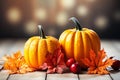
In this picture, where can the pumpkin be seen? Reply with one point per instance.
(37, 48)
(76, 43)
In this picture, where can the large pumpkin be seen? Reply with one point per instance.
(36, 48)
(76, 43)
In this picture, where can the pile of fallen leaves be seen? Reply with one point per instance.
(98, 63)
(16, 63)
(53, 64)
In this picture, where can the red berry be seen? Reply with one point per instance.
(70, 62)
(116, 65)
(75, 68)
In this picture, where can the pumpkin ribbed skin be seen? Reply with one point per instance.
(36, 49)
(77, 43)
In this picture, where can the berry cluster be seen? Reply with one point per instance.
(73, 65)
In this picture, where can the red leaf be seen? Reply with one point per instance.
(56, 63)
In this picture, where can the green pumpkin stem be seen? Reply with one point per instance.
(41, 32)
(76, 22)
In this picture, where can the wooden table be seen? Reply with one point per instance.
(8, 46)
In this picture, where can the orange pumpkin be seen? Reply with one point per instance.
(76, 43)
(37, 47)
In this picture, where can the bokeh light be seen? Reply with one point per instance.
(31, 28)
(68, 4)
(82, 10)
(13, 15)
(40, 14)
(101, 22)
(25, 15)
(62, 18)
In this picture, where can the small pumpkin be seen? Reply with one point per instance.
(37, 47)
(76, 43)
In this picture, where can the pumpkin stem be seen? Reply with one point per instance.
(41, 32)
(76, 22)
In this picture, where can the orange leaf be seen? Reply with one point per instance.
(16, 63)
(96, 64)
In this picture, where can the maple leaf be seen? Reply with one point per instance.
(16, 63)
(55, 63)
(97, 63)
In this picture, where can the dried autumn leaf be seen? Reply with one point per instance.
(96, 62)
(16, 63)
(55, 63)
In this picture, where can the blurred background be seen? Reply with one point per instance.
(19, 18)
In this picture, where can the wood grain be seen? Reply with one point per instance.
(1, 66)
(5, 46)
(17, 45)
(29, 76)
(94, 77)
(116, 44)
(110, 49)
(115, 74)
(4, 75)
(65, 76)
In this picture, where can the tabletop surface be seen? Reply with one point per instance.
(8, 46)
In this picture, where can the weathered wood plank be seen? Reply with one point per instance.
(116, 44)
(110, 49)
(65, 76)
(1, 66)
(17, 45)
(10, 46)
(1, 61)
(4, 75)
(115, 74)
(5, 46)
(28, 76)
(94, 77)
